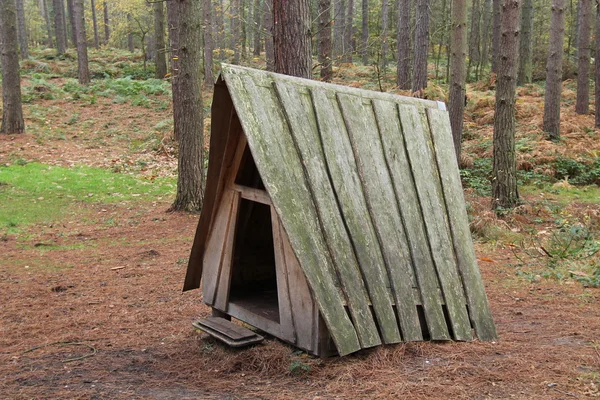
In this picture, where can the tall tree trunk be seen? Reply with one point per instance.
(71, 13)
(583, 50)
(324, 11)
(187, 103)
(442, 41)
(525, 53)
(339, 19)
(597, 66)
(269, 47)
(384, 33)
(49, 42)
(106, 22)
(22, 30)
(554, 71)
(349, 32)
(403, 43)
(421, 46)
(12, 109)
(235, 30)
(243, 31)
(474, 38)
(258, 12)
(458, 72)
(59, 26)
(504, 183)
(82, 56)
(130, 43)
(488, 17)
(497, 10)
(159, 38)
(220, 25)
(95, 23)
(364, 48)
(291, 37)
(208, 43)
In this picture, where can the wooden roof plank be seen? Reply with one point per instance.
(479, 309)
(298, 109)
(416, 133)
(403, 182)
(278, 163)
(363, 132)
(348, 190)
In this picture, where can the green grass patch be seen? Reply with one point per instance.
(35, 192)
(564, 195)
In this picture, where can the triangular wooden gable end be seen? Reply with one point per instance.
(367, 191)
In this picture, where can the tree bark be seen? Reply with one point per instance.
(324, 11)
(49, 42)
(597, 66)
(22, 30)
(291, 38)
(95, 23)
(71, 13)
(497, 8)
(220, 28)
(364, 48)
(583, 51)
(504, 183)
(187, 103)
(235, 30)
(258, 12)
(160, 60)
(403, 43)
(82, 56)
(349, 32)
(474, 39)
(525, 53)
(59, 26)
(384, 33)
(106, 22)
(12, 109)
(269, 47)
(130, 43)
(554, 71)
(242, 24)
(488, 17)
(421, 46)
(458, 72)
(339, 20)
(208, 44)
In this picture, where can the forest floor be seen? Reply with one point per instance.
(91, 269)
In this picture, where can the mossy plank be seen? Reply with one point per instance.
(403, 183)
(425, 173)
(298, 109)
(348, 190)
(479, 309)
(362, 128)
(279, 163)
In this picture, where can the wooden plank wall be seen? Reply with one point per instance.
(367, 189)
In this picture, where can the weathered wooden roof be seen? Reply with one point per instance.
(368, 190)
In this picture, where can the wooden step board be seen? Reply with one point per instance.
(228, 332)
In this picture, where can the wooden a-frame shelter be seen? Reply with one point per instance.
(334, 217)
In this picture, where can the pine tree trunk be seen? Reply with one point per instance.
(12, 110)
(421, 46)
(59, 26)
(583, 51)
(82, 56)
(324, 11)
(554, 71)
(22, 30)
(220, 28)
(339, 19)
(364, 48)
(497, 10)
(235, 30)
(403, 42)
(458, 72)
(187, 101)
(71, 13)
(269, 47)
(208, 44)
(130, 43)
(258, 12)
(106, 23)
(95, 22)
(474, 40)
(159, 38)
(488, 17)
(597, 67)
(49, 41)
(384, 33)
(173, 29)
(349, 32)
(442, 41)
(504, 183)
(525, 53)
(243, 31)
(291, 38)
